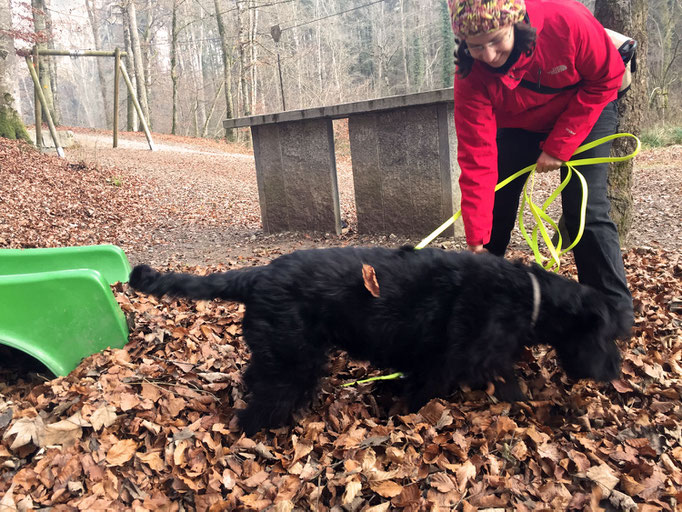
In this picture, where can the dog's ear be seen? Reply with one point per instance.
(614, 320)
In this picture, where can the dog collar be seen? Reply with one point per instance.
(536, 299)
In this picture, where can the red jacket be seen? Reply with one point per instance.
(571, 47)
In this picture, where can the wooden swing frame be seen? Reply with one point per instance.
(33, 63)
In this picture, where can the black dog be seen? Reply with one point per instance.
(441, 318)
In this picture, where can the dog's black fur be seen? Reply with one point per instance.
(442, 318)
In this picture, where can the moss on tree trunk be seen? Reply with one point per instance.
(11, 125)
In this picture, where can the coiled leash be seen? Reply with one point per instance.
(539, 214)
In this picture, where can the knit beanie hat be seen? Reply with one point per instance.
(471, 17)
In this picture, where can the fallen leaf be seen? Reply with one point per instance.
(603, 476)
(121, 452)
(104, 416)
(387, 488)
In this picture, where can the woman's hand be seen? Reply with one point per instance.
(547, 163)
(477, 249)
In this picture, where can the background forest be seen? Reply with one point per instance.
(197, 62)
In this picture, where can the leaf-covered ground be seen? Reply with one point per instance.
(151, 426)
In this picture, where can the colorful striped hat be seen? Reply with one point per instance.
(471, 17)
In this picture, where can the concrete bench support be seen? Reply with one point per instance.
(403, 169)
(296, 173)
(403, 156)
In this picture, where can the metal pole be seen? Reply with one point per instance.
(41, 96)
(131, 91)
(117, 77)
(36, 102)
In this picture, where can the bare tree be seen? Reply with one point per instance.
(136, 49)
(227, 64)
(664, 69)
(132, 123)
(148, 19)
(174, 64)
(11, 125)
(404, 49)
(41, 28)
(243, 7)
(93, 16)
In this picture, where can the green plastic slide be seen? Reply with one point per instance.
(108, 260)
(57, 306)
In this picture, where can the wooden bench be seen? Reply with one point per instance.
(403, 153)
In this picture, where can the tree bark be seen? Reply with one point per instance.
(11, 125)
(405, 50)
(40, 26)
(132, 123)
(253, 29)
(52, 67)
(147, 54)
(93, 16)
(136, 48)
(174, 66)
(242, 42)
(627, 17)
(227, 66)
(199, 72)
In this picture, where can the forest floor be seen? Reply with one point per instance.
(152, 426)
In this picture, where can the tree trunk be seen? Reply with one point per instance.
(146, 54)
(227, 66)
(320, 58)
(11, 125)
(627, 17)
(52, 67)
(174, 66)
(93, 15)
(448, 49)
(253, 30)
(132, 123)
(40, 26)
(242, 42)
(199, 73)
(136, 48)
(204, 129)
(405, 50)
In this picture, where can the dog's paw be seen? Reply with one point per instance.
(141, 277)
(248, 422)
(509, 391)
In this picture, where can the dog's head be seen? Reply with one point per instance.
(591, 325)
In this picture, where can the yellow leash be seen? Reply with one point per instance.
(539, 214)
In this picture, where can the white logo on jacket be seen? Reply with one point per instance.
(557, 69)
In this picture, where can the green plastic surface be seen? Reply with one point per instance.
(60, 317)
(108, 260)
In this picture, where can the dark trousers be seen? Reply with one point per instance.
(597, 254)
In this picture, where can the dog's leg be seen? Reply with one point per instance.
(279, 384)
(426, 383)
(508, 390)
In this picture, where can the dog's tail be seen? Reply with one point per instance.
(234, 285)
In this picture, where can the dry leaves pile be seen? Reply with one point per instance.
(49, 202)
(152, 426)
